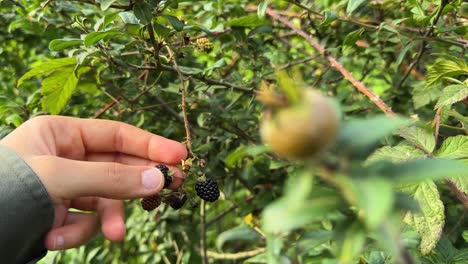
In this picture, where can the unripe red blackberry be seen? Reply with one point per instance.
(167, 174)
(150, 203)
(176, 200)
(207, 190)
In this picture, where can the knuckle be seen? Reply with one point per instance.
(117, 174)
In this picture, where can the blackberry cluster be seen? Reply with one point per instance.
(176, 200)
(207, 190)
(150, 203)
(167, 176)
(204, 45)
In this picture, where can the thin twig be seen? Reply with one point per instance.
(436, 122)
(196, 76)
(235, 256)
(107, 107)
(203, 233)
(183, 103)
(154, 43)
(347, 74)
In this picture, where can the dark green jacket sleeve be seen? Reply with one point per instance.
(26, 211)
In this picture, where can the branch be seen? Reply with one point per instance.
(461, 196)
(347, 74)
(107, 107)
(183, 104)
(195, 76)
(235, 256)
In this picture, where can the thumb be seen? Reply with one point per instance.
(68, 179)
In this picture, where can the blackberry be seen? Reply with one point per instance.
(150, 203)
(207, 190)
(176, 200)
(167, 174)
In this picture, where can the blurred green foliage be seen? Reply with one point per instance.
(389, 189)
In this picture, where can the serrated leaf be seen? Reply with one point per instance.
(47, 68)
(176, 24)
(61, 44)
(57, 89)
(423, 97)
(95, 37)
(449, 66)
(239, 233)
(399, 153)
(415, 171)
(143, 12)
(430, 221)
(454, 148)
(251, 20)
(419, 138)
(452, 94)
(353, 5)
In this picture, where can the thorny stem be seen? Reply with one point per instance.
(203, 233)
(183, 104)
(334, 62)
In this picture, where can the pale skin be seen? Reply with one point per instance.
(93, 165)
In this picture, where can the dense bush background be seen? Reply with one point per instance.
(114, 59)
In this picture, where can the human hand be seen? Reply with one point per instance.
(92, 165)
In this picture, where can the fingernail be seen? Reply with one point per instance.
(59, 242)
(151, 178)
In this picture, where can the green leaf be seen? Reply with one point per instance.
(454, 148)
(419, 137)
(262, 8)
(430, 221)
(47, 68)
(57, 89)
(352, 243)
(105, 4)
(361, 133)
(239, 233)
(448, 67)
(423, 97)
(452, 94)
(373, 211)
(298, 207)
(143, 12)
(328, 17)
(94, 37)
(61, 44)
(351, 38)
(353, 5)
(251, 20)
(461, 257)
(399, 153)
(129, 18)
(403, 52)
(420, 170)
(176, 24)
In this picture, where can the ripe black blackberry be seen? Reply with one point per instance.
(167, 174)
(176, 200)
(150, 203)
(207, 190)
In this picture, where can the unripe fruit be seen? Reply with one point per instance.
(301, 130)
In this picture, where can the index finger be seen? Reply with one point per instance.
(113, 136)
